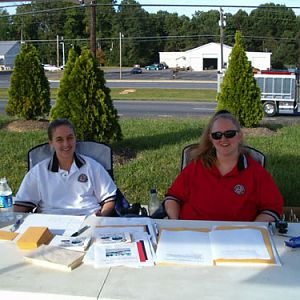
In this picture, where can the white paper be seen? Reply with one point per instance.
(132, 221)
(238, 244)
(113, 238)
(136, 235)
(99, 231)
(184, 247)
(116, 255)
(71, 243)
(57, 224)
(89, 257)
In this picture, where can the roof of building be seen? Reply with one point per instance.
(5, 46)
(208, 45)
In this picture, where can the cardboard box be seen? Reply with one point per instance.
(7, 235)
(33, 237)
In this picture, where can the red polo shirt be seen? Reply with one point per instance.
(240, 195)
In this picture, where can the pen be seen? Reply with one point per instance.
(16, 225)
(81, 230)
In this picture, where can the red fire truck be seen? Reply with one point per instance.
(280, 92)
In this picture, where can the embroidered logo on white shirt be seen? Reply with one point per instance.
(82, 178)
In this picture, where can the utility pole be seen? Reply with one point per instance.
(63, 51)
(93, 28)
(222, 24)
(57, 51)
(120, 39)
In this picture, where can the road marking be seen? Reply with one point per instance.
(201, 108)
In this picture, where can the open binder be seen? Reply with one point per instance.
(231, 245)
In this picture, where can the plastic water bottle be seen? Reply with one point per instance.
(6, 201)
(154, 202)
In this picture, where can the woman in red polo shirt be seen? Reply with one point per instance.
(223, 182)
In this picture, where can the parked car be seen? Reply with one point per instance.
(136, 71)
(164, 65)
(154, 67)
(50, 68)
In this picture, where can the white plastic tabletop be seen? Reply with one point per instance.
(26, 281)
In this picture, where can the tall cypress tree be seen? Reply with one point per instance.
(84, 99)
(240, 93)
(29, 92)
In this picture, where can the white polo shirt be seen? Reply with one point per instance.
(81, 191)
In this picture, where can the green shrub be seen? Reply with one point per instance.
(240, 93)
(29, 92)
(84, 99)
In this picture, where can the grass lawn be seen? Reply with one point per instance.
(163, 94)
(151, 154)
(148, 94)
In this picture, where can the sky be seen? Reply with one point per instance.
(189, 11)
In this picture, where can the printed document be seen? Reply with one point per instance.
(182, 246)
(57, 224)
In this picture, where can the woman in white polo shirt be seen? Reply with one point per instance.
(67, 183)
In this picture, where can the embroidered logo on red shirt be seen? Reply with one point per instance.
(239, 189)
(82, 178)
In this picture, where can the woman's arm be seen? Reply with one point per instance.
(264, 218)
(172, 208)
(22, 208)
(107, 208)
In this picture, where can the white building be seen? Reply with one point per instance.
(208, 57)
(8, 52)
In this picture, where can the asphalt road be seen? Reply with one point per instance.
(148, 79)
(163, 109)
(142, 109)
(148, 109)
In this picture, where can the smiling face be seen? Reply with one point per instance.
(226, 146)
(63, 141)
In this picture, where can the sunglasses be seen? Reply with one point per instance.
(229, 134)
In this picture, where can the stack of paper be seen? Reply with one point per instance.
(55, 258)
(234, 245)
(71, 243)
(184, 246)
(120, 246)
(57, 224)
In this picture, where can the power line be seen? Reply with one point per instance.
(157, 38)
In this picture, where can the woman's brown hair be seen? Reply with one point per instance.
(205, 150)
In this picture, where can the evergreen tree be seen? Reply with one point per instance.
(29, 92)
(240, 93)
(84, 99)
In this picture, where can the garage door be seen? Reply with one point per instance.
(210, 63)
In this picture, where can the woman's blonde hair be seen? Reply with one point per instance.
(205, 150)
